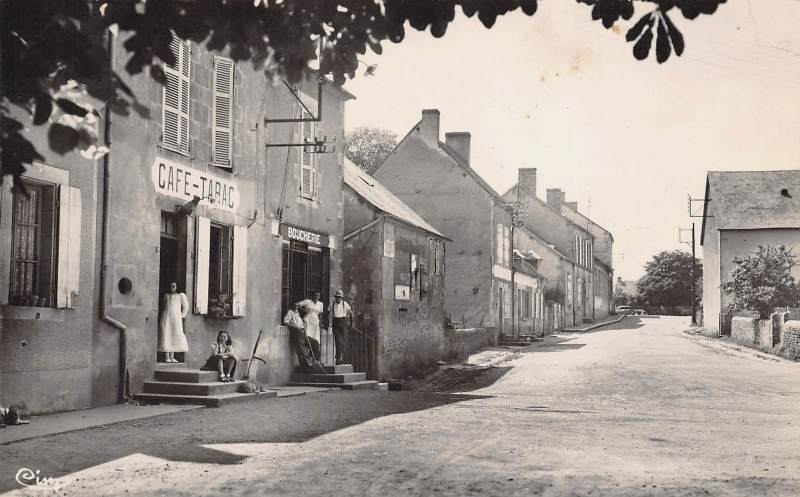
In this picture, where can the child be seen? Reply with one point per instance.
(222, 357)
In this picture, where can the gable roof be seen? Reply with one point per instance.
(543, 202)
(382, 199)
(452, 155)
(752, 199)
(468, 169)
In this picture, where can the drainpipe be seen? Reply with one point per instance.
(123, 329)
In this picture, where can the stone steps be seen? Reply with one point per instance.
(206, 400)
(329, 378)
(355, 385)
(339, 376)
(177, 384)
(210, 388)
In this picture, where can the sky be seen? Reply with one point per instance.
(628, 140)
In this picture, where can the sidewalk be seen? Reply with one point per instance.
(593, 326)
(63, 422)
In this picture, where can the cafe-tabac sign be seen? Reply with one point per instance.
(185, 183)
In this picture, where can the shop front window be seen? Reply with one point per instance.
(304, 270)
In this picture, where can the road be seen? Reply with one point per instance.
(636, 409)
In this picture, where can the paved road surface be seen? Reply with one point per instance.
(636, 409)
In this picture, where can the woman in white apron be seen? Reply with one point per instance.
(172, 338)
(314, 308)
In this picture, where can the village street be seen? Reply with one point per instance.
(636, 408)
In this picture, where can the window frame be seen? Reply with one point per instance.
(182, 72)
(218, 65)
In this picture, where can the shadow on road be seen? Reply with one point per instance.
(181, 436)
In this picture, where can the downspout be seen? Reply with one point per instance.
(123, 329)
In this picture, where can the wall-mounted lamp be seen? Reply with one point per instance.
(189, 207)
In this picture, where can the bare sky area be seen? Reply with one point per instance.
(627, 140)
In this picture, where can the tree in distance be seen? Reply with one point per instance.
(667, 281)
(368, 147)
(55, 53)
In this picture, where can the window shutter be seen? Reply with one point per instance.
(176, 101)
(239, 269)
(307, 158)
(201, 258)
(222, 138)
(69, 246)
(499, 243)
(506, 245)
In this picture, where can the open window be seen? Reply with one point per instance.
(220, 269)
(45, 246)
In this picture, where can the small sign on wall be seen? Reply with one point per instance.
(401, 292)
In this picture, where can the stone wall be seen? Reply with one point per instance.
(743, 329)
(791, 335)
(463, 342)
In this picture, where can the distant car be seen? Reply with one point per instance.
(624, 309)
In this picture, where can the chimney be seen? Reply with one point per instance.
(527, 179)
(459, 143)
(429, 127)
(554, 198)
(572, 205)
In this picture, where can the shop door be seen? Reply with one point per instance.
(305, 269)
(172, 257)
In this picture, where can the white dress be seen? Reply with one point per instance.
(172, 338)
(312, 317)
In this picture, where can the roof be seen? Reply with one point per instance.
(468, 169)
(382, 199)
(752, 199)
(584, 216)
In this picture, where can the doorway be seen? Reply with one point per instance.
(172, 262)
(305, 268)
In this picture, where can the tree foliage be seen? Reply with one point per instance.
(367, 147)
(668, 279)
(763, 280)
(48, 44)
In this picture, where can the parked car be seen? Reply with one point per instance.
(624, 309)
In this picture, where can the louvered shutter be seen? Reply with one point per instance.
(201, 259)
(239, 269)
(222, 137)
(176, 99)
(307, 158)
(69, 246)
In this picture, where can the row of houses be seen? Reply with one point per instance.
(239, 191)
(516, 263)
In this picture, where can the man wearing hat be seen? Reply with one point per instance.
(342, 317)
(306, 348)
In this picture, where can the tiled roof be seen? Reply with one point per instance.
(382, 199)
(754, 199)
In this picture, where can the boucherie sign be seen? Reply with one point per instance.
(307, 236)
(182, 182)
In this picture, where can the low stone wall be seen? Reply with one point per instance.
(463, 342)
(744, 329)
(791, 335)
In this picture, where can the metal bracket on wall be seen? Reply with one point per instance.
(691, 205)
(313, 118)
(317, 146)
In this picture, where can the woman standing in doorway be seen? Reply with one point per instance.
(174, 309)
(314, 308)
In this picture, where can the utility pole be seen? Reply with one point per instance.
(514, 210)
(694, 281)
